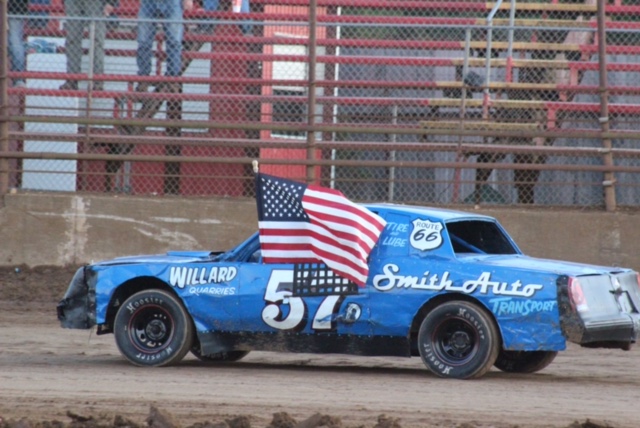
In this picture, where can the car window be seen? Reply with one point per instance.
(479, 237)
(256, 257)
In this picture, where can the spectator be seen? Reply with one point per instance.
(237, 6)
(171, 13)
(18, 59)
(98, 9)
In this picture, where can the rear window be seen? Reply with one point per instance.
(478, 237)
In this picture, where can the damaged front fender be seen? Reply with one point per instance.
(77, 308)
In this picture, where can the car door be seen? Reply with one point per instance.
(307, 300)
(407, 262)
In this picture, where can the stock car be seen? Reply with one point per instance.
(448, 286)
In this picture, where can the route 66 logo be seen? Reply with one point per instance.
(425, 235)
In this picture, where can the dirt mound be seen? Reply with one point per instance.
(159, 418)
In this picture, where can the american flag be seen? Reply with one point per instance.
(302, 223)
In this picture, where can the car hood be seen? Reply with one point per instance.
(520, 262)
(169, 258)
(542, 265)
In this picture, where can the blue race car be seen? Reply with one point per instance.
(451, 287)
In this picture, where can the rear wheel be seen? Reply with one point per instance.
(152, 328)
(458, 340)
(524, 361)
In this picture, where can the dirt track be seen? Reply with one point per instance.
(47, 372)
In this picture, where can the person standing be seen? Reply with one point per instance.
(170, 11)
(237, 6)
(17, 55)
(97, 10)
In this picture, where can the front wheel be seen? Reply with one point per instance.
(458, 340)
(152, 328)
(524, 361)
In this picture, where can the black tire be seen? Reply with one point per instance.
(152, 328)
(218, 357)
(524, 361)
(458, 340)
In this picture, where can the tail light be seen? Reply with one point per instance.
(576, 295)
(638, 280)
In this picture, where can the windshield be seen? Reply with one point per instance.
(246, 251)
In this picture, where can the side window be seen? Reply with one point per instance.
(479, 237)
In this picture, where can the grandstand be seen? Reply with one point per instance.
(403, 101)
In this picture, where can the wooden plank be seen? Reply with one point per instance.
(529, 46)
(478, 103)
(508, 86)
(548, 7)
(501, 62)
(540, 22)
(470, 125)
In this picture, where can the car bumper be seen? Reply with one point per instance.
(610, 333)
(608, 318)
(77, 307)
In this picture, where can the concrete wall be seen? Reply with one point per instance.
(63, 229)
(69, 229)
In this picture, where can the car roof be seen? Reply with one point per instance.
(443, 214)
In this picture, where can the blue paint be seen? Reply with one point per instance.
(421, 255)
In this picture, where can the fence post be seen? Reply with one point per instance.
(4, 100)
(392, 155)
(487, 65)
(607, 157)
(311, 135)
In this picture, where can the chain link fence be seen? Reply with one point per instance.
(511, 102)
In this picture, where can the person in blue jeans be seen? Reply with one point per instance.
(17, 55)
(238, 6)
(170, 13)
